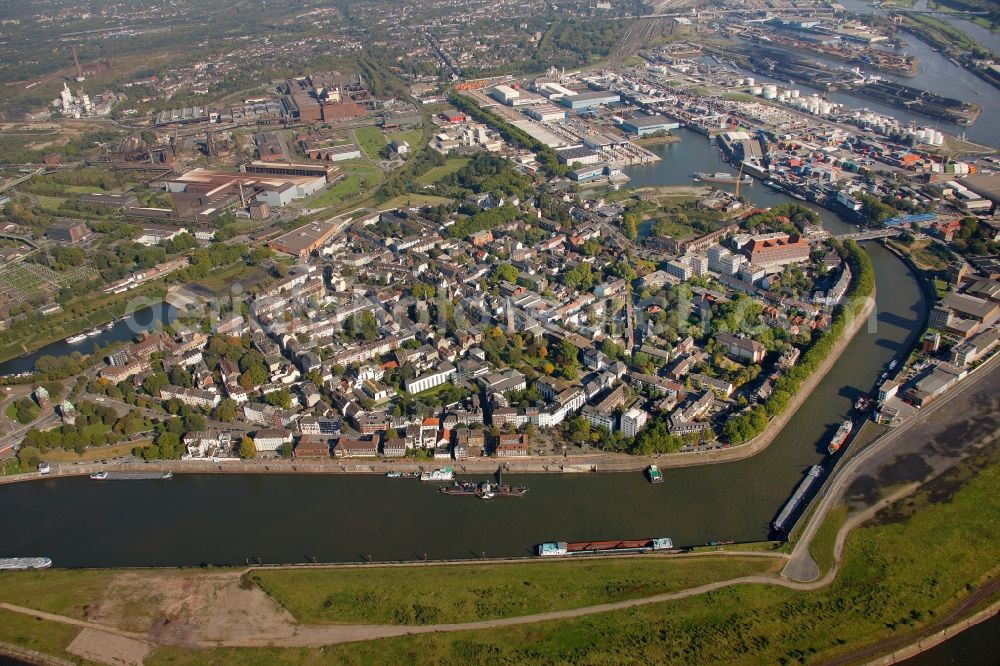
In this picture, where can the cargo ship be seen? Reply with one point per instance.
(721, 177)
(24, 563)
(781, 522)
(484, 490)
(559, 548)
(134, 476)
(654, 474)
(443, 474)
(840, 436)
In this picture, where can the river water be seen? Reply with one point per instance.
(939, 75)
(225, 519)
(143, 319)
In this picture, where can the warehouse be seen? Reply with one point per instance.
(643, 125)
(505, 94)
(589, 99)
(547, 113)
(578, 155)
(327, 172)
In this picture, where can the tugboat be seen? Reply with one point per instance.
(654, 474)
(840, 437)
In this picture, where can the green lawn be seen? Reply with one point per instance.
(81, 189)
(371, 141)
(99, 453)
(62, 591)
(408, 200)
(916, 562)
(52, 203)
(462, 593)
(29, 633)
(450, 166)
(821, 547)
(359, 177)
(412, 137)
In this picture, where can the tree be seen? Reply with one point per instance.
(29, 457)
(285, 450)
(503, 273)
(280, 398)
(226, 411)
(247, 448)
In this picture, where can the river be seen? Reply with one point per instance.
(143, 319)
(224, 519)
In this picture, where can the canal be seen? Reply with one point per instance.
(225, 519)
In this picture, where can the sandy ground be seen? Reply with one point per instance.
(106, 648)
(191, 608)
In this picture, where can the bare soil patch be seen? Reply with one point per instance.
(106, 648)
(189, 608)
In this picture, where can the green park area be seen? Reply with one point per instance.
(413, 137)
(371, 141)
(463, 593)
(450, 166)
(359, 177)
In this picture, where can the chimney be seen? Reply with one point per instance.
(76, 61)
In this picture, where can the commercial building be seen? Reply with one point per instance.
(505, 94)
(589, 99)
(643, 125)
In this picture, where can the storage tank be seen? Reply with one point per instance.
(795, 94)
(756, 90)
(825, 108)
(770, 91)
(938, 138)
(748, 81)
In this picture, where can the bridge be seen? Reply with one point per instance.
(870, 235)
(17, 181)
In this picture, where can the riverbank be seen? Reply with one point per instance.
(655, 140)
(308, 615)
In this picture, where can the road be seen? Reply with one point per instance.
(801, 566)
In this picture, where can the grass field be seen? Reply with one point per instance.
(413, 137)
(62, 591)
(464, 593)
(29, 633)
(99, 453)
(821, 547)
(51, 203)
(407, 200)
(371, 141)
(450, 166)
(359, 177)
(922, 556)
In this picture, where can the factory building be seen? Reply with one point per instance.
(643, 125)
(547, 113)
(589, 99)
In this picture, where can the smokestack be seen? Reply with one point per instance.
(76, 61)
